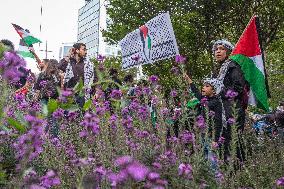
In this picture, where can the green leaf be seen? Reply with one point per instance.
(79, 87)
(52, 105)
(73, 108)
(16, 124)
(87, 105)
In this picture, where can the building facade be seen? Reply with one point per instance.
(92, 19)
(64, 49)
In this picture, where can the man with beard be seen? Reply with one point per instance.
(76, 67)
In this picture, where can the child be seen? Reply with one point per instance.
(210, 91)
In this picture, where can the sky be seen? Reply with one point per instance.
(58, 20)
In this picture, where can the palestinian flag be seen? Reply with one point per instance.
(146, 40)
(25, 35)
(24, 50)
(249, 55)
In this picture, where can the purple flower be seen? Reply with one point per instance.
(137, 171)
(175, 70)
(165, 112)
(187, 137)
(180, 59)
(127, 123)
(231, 121)
(152, 176)
(59, 113)
(280, 181)
(185, 170)
(204, 101)
(43, 83)
(231, 94)
(123, 161)
(200, 122)
(173, 93)
(136, 58)
(143, 113)
(219, 177)
(116, 94)
(101, 67)
(177, 113)
(91, 123)
(157, 165)
(153, 79)
(9, 67)
(50, 179)
(221, 140)
(146, 91)
(100, 58)
(30, 144)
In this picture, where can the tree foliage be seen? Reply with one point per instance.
(197, 24)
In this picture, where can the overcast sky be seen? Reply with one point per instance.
(59, 21)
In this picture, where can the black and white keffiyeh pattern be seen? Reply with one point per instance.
(88, 76)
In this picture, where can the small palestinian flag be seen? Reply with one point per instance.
(248, 54)
(25, 35)
(146, 40)
(24, 50)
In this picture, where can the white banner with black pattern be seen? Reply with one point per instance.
(151, 42)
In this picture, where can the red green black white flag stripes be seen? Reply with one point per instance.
(248, 54)
(26, 35)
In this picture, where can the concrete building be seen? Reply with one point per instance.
(92, 19)
(64, 49)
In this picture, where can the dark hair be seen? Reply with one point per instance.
(77, 46)
(128, 78)
(52, 68)
(8, 43)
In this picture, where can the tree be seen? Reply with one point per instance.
(196, 23)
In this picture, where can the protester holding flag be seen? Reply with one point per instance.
(234, 89)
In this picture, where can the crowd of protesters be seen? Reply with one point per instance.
(226, 87)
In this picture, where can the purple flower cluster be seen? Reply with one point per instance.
(231, 121)
(143, 113)
(280, 181)
(187, 137)
(50, 179)
(165, 112)
(113, 121)
(116, 94)
(180, 59)
(100, 58)
(30, 144)
(153, 79)
(174, 93)
(91, 124)
(59, 113)
(185, 170)
(200, 122)
(131, 169)
(168, 158)
(9, 67)
(231, 94)
(177, 113)
(65, 94)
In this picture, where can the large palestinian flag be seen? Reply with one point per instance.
(248, 54)
(26, 35)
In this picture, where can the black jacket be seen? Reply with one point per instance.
(214, 105)
(234, 80)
